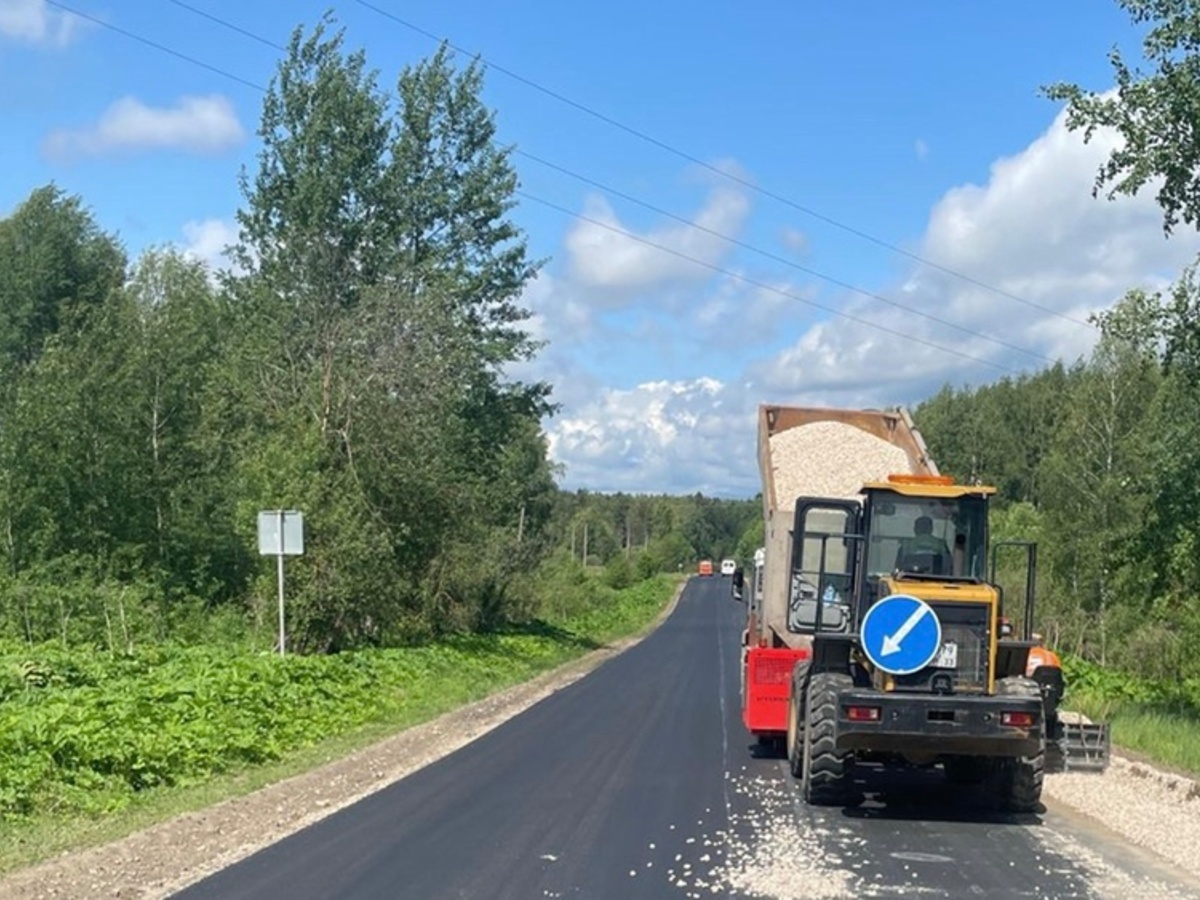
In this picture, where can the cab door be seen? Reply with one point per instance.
(826, 544)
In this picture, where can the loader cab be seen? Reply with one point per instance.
(847, 554)
(930, 536)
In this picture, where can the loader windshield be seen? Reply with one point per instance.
(934, 536)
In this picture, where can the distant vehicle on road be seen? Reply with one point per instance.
(728, 566)
(706, 567)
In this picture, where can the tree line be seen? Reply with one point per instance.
(1100, 460)
(353, 365)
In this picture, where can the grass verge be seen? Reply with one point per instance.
(1164, 736)
(96, 752)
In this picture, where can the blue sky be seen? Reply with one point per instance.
(919, 124)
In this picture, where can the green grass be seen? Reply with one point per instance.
(1155, 718)
(93, 747)
(1171, 738)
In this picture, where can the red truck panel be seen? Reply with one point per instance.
(768, 679)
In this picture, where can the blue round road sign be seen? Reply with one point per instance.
(901, 634)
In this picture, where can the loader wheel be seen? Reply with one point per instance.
(1020, 778)
(795, 720)
(826, 770)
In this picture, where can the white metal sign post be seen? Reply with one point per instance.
(280, 534)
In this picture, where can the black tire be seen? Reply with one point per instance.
(826, 770)
(1020, 778)
(792, 743)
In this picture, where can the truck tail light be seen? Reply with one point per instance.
(1017, 719)
(862, 713)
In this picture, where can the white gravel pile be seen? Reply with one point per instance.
(1146, 806)
(830, 459)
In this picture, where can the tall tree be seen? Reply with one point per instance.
(58, 265)
(385, 277)
(1096, 484)
(1157, 113)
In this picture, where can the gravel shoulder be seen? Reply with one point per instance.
(1155, 810)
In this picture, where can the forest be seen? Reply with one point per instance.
(353, 368)
(354, 364)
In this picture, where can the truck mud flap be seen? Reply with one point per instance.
(1079, 747)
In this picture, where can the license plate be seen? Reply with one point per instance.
(947, 657)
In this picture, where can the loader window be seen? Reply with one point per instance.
(826, 583)
(942, 537)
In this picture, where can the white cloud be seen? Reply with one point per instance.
(194, 124)
(35, 22)
(207, 239)
(921, 148)
(1032, 230)
(601, 257)
(663, 436)
(795, 240)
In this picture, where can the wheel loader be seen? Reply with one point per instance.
(897, 642)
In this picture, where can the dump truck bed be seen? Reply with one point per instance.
(822, 452)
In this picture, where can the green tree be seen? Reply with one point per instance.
(1154, 113)
(1096, 484)
(58, 265)
(384, 277)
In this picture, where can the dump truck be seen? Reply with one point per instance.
(879, 632)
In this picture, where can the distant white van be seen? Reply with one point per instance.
(728, 566)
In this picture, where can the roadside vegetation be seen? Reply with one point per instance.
(94, 745)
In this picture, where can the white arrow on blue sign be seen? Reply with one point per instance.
(901, 634)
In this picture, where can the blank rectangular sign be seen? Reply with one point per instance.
(293, 533)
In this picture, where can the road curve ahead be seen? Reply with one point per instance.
(639, 782)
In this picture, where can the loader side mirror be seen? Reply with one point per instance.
(738, 582)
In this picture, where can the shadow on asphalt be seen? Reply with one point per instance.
(923, 794)
(910, 793)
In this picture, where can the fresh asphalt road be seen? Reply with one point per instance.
(639, 782)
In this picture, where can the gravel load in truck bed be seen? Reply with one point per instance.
(829, 459)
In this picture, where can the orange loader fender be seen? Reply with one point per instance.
(1041, 656)
(1045, 668)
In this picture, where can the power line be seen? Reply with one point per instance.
(217, 19)
(762, 285)
(783, 260)
(695, 160)
(724, 237)
(627, 234)
(157, 46)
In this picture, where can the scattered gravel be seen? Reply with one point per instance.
(1148, 807)
(1105, 879)
(830, 459)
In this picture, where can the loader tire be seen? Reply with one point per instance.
(825, 770)
(795, 720)
(1020, 778)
